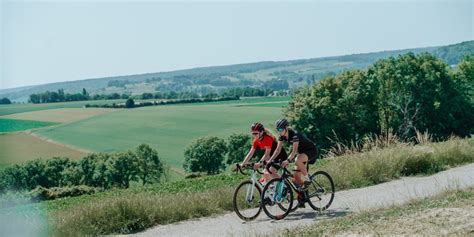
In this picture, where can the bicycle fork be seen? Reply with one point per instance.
(250, 189)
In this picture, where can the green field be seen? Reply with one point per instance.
(169, 129)
(20, 108)
(11, 125)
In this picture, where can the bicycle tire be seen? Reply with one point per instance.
(267, 204)
(240, 211)
(321, 185)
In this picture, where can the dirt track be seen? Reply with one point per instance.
(382, 195)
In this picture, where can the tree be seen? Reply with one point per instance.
(14, 177)
(237, 145)
(35, 98)
(130, 103)
(150, 167)
(94, 170)
(205, 154)
(5, 101)
(35, 174)
(122, 167)
(54, 169)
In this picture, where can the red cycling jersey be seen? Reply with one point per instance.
(265, 143)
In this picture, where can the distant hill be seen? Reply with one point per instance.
(268, 74)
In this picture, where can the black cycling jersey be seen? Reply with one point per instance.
(305, 144)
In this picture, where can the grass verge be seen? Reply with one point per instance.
(448, 214)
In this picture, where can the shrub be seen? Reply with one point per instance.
(205, 155)
(130, 103)
(238, 145)
(41, 193)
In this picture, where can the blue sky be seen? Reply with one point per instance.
(44, 42)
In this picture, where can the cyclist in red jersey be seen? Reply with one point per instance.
(265, 140)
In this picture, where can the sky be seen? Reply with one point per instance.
(43, 42)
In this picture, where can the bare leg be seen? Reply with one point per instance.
(274, 173)
(301, 167)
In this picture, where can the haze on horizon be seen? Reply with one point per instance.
(44, 42)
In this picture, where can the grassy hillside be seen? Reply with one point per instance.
(295, 72)
(169, 129)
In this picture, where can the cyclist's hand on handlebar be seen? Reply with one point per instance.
(285, 163)
(256, 165)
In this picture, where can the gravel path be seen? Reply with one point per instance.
(378, 196)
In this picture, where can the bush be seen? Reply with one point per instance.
(205, 155)
(238, 145)
(41, 193)
(130, 103)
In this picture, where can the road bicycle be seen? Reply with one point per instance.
(247, 196)
(278, 194)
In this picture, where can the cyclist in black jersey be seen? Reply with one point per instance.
(303, 150)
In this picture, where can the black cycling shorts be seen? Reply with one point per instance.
(311, 154)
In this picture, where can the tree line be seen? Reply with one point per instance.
(102, 170)
(399, 95)
(60, 96)
(130, 103)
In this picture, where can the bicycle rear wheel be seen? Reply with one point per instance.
(277, 199)
(321, 191)
(247, 200)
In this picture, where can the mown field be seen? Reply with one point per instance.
(169, 129)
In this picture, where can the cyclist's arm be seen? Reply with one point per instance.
(249, 155)
(294, 151)
(266, 155)
(277, 151)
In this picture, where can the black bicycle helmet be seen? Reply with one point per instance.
(281, 123)
(257, 127)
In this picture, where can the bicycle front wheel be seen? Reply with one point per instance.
(247, 200)
(321, 191)
(277, 199)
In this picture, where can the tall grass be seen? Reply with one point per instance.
(385, 159)
(131, 212)
(136, 212)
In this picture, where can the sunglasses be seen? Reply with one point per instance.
(280, 129)
(254, 133)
